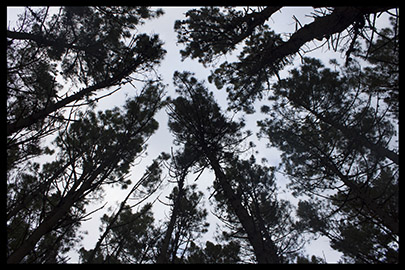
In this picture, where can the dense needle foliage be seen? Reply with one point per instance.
(333, 122)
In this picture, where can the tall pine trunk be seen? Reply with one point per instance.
(162, 258)
(57, 213)
(264, 249)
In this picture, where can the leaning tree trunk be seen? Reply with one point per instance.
(162, 258)
(264, 249)
(57, 214)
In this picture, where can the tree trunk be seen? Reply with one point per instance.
(162, 258)
(54, 216)
(264, 249)
(27, 199)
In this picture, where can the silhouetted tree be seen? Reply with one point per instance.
(210, 32)
(130, 238)
(96, 150)
(186, 216)
(197, 122)
(91, 48)
(141, 190)
(214, 253)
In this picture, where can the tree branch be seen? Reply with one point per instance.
(43, 41)
(35, 117)
(336, 22)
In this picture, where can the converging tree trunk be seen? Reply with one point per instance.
(264, 248)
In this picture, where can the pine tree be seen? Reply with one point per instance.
(336, 131)
(95, 151)
(89, 48)
(186, 215)
(211, 32)
(197, 123)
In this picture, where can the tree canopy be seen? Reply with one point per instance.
(334, 124)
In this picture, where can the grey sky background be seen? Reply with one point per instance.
(281, 22)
